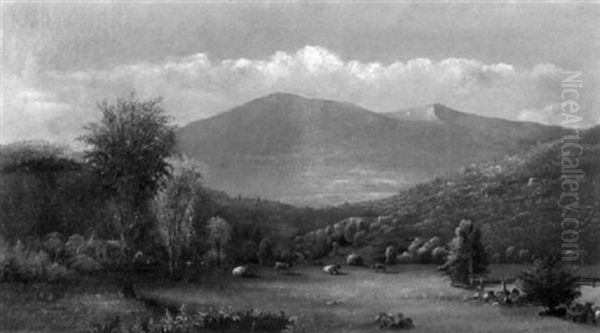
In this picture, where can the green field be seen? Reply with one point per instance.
(349, 303)
(322, 303)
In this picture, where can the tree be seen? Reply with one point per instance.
(467, 254)
(548, 283)
(174, 210)
(265, 251)
(219, 234)
(128, 150)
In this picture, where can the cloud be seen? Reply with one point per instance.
(55, 104)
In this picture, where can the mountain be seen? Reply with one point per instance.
(319, 152)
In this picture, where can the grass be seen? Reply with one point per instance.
(349, 303)
(323, 303)
(56, 308)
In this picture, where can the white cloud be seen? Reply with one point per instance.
(54, 105)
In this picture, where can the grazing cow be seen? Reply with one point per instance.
(282, 266)
(331, 269)
(378, 267)
(243, 271)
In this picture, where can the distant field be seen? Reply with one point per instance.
(348, 303)
(323, 303)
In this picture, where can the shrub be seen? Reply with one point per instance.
(75, 245)
(54, 245)
(548, 283)
(424, 252)
(18, 264)
(85, 264)
(414, 246)
(404, 258)
(438, 255)
(224, 319)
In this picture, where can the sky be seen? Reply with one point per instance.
(500, 59)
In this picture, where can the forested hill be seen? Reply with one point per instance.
(515, 200)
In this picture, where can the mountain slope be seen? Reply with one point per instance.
(313, 151)
(515, 201)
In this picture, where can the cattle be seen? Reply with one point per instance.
(281, 266)
(378, 267)
(243, 271)
(332, 269)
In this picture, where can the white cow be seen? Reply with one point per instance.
(243, 271)
(331, 269)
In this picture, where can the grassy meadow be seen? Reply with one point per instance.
(349, 302)
(322, 303)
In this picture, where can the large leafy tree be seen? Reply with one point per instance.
(548, 283)
(467, 256)
(129, 147)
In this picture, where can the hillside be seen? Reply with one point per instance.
(514, 201)
(319, 152)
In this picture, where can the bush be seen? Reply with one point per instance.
(54, 245)
(404, 258)
(75, 245)
(548, 283)
(223, 319)
(424, 252)
(438, 255)
(18, 264)
(85, 264)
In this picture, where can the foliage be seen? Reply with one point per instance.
(174, 210)
(219, 234)
(547, 282)
(187, 322)
(467, 254)
(128, 150)
(265, 253)
(512, 199)
(84, 264)
(45, 188)
(19, 264)
(75, 245)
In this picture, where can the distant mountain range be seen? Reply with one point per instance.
(320, 152)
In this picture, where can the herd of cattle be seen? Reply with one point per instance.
(332, 269)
